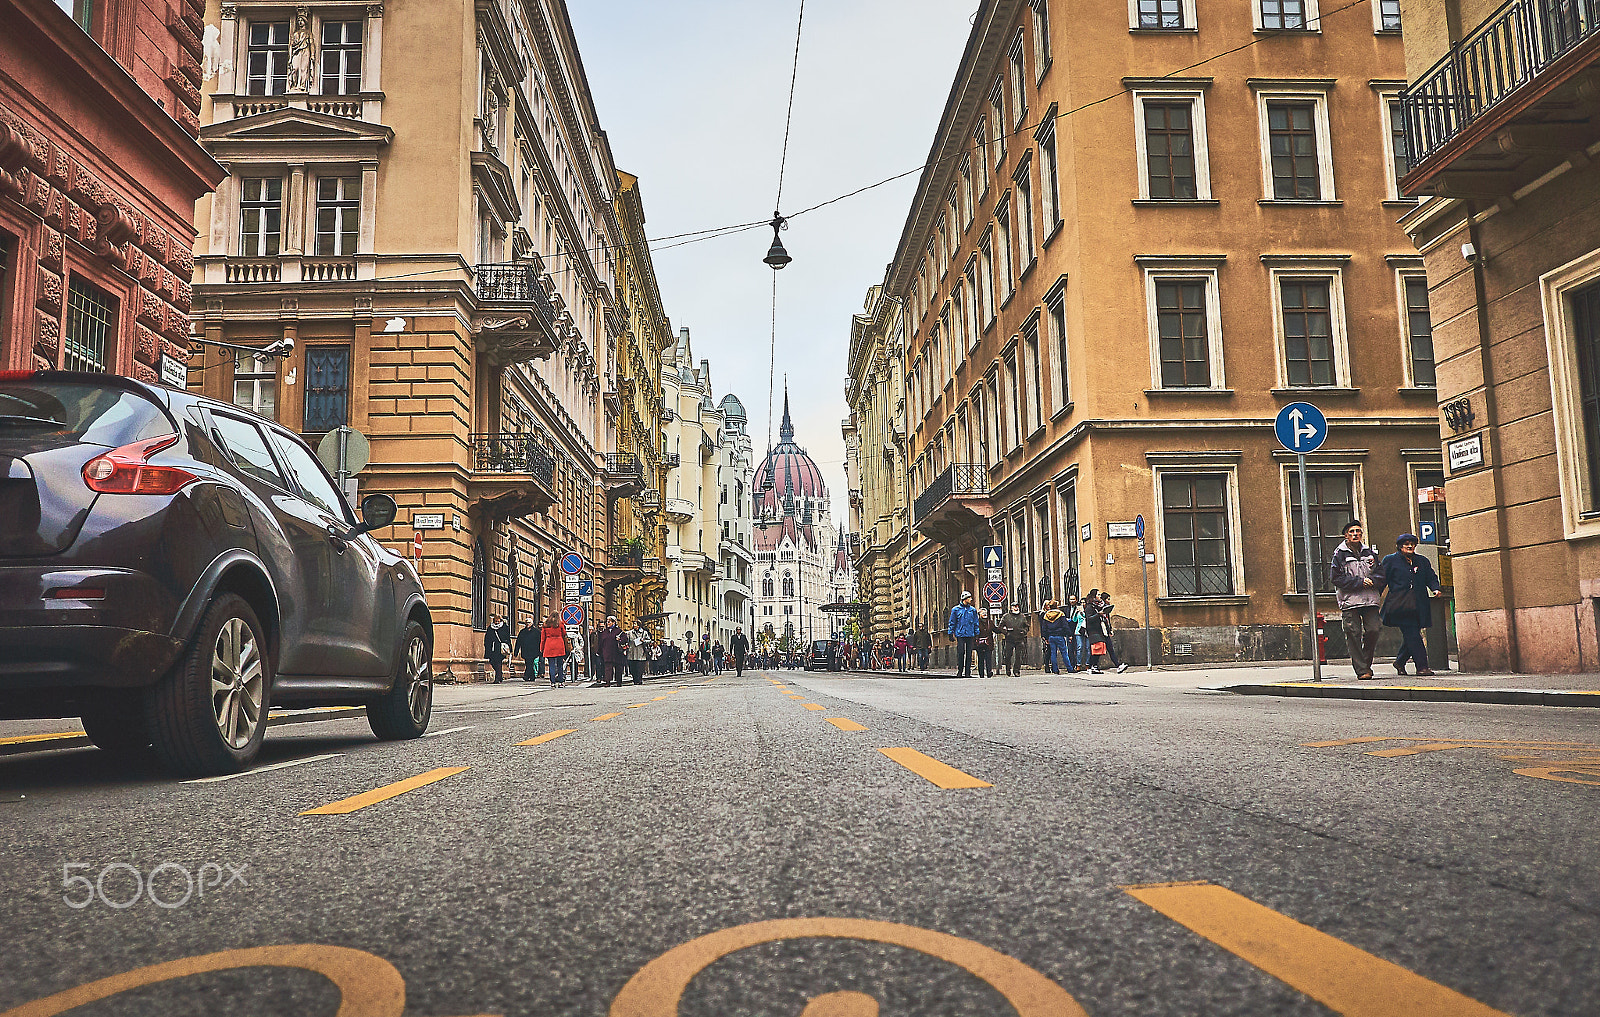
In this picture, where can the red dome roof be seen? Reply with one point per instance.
(793, 472)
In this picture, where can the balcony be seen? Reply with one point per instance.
(732, 588)
(954, 510)
(696, 561)
(365, 106)
(625, 556)
(678, 510)
(512, 475)
(648, 500)
(1507, 103)
(516, 321)
(738, 550)
(623, 474)
(670, 460)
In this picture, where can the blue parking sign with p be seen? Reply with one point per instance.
(1427, 531)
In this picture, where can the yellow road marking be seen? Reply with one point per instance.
(846, 724)
(933, 771)
(635, 706)
(1549, 773)
(814, 706)
(550, 737)
(1417, 749)
(56, 736)
(657, 699)
(384, 793)
(1343, 978)
(604, 716)
(841, 1004)
(1346, 741)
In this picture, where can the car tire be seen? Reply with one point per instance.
(208, 716)
(117, 727)
(404, 711)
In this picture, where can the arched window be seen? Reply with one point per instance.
(788, 585)
(766, 586)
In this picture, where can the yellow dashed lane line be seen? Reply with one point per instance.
(550, 737)
(384, 793)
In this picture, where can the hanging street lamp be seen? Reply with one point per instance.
(777, 257)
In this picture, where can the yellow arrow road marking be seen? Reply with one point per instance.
(933, 771)
(1417, 749)
(549, 737)
(846, 724)
(1343, 978)
(384, 793)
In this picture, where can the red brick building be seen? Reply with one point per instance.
(99, 173)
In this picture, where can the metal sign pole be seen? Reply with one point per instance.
(1144, 571)
(1311, 578)
(344, 457)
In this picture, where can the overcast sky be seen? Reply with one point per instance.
(692, 95)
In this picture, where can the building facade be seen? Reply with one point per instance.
(795, 546)
(875, 465)
(709, 542)
(419, 195)
(1106, 309)
(1502, 119)
(634, 572)
(97, 185)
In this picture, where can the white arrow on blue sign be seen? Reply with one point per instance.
(1301, 428)
(994, 556)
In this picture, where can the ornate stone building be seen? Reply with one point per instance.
(1107, 306)
(99, 172)
(875, 464)
(794, 543)
(420, 196)
(708, 504)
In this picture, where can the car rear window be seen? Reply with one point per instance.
(79, 411)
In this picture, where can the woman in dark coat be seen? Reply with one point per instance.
(1409, 581)
(497, 645)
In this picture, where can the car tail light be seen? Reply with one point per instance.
(15, 375)
(127, 470)
(76, 593)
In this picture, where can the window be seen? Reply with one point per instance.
(7, 243)
(1162, 14)
(91, 325)
(338, 212)
(1050, 180)
(81, 11)
(316, 486)
(1291, 129)
(1025, 242)
(1002, 236)
(1068, 508)
(997, 106)
(260, 216)
(1019, 81)
(1195, 526)
(997, 421)
(1283, 15)
(246, 448)
(985, 296)
(1181, 326)
(1586, 332)
(327, 388)
(1332, 505)
(966, 193)
(341, 57)
(1399, 154)
(788, 584)
(1015, 391)
(980, 145)
(1041, 37)
(1433, 512)
(1169, 148)
(1388, 12)
(975, 304)
(255, 383)
(267, 58)
(1307, 332)
(1035, 395)
(1055, 306)
(1419, 333)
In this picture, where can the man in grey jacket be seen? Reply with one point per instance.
(1357, 577)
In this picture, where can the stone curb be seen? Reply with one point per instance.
(1419, 694)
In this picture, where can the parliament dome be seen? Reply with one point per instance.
(794, 474)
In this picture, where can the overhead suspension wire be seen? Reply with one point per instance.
(777, 257)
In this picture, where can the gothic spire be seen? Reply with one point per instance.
(786, 430)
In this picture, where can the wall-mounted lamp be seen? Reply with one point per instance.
(1469, 253)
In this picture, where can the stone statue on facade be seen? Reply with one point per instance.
(302, 54)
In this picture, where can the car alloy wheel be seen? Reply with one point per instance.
(237, 683)
(419, 679)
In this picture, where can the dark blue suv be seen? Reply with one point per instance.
(172, 566)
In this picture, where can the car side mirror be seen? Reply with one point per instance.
(377, 511)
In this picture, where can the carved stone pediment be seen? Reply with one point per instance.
(288, 132)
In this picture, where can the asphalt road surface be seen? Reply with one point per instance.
(787, 844)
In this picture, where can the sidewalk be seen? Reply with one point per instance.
(1284, 678)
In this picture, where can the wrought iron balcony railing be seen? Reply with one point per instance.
(669, 460)
(649, 499)
(625, 556)
(512, 453)
(1507, 51)
(624, 464)
(960, 478)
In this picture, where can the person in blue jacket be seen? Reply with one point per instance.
(1408, 583)
(963, 626)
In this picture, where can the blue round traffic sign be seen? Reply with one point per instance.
(1301, 428)
(572, 563)
(1138, 526)
(572, 614)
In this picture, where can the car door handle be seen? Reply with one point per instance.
(336, 539)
